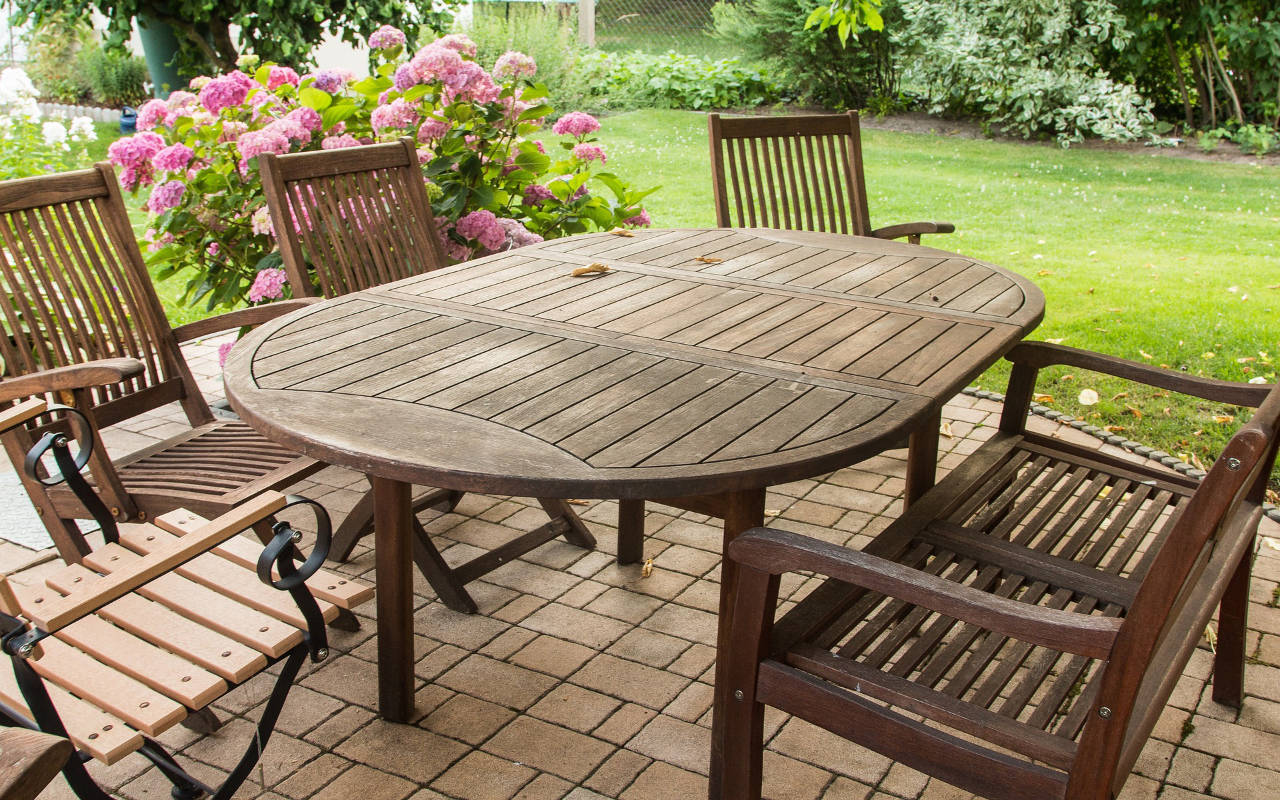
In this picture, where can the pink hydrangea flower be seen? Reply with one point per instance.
(434, 63)
(173, 158)
(199, 82)
(386, 37)
(396, 114)
(232, 130)
(223, 92)
(136, 175)
(535, 194)
(133, 151)
(213, 249)
(517, 234)
(267, 140)
(483, 227)
(640, 220)
(224, 350)
(278, 76)
(156, 242)
(589, 152)
(512, 65)
(458, 42)
(575, 123)
(453, 249)
(151, 114)
(241, 79)
(432, 129)
(308, 118)
(327, 80)
(260, 222)
(268, 285)
(406, 77)
(339, 142)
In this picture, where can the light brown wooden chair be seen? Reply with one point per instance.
(358, 217)
(1019, 629)
(800, 172)
(82, 322)
(157, 622)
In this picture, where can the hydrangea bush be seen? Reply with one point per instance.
(31, 145)
(492, 185)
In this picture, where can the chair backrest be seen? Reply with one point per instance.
(1180, 590)
(74, 288)
(357, 217)
(794, 172)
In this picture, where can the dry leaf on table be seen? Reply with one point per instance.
(624, 233)
(709, 259)
(592, 269)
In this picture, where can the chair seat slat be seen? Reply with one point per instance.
(105, 737)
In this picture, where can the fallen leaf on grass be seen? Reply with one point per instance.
(1223, 419)
(1088, 397)
(1168, 412)
(945, 430)
(1089, 290)
(1114, 428)
(1043, 398)
(1273, 497)
(1101, 330)
(1134, 411)
(1119, 396)
(1145, 355)
(593, 269)
(1055, 341)
(1197, 463)
(1274, 286)
(647, 569)
(1044, 272)
(1067, 377)
(709, 259)
(1208, 354)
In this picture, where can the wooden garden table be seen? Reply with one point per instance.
(704, 367)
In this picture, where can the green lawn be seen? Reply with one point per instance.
(1159, 259)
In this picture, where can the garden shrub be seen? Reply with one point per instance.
(53, 49)
(674, 80)
(31, 145)
(114, 79)
(492, 186)
(812, 63)
(544, 34)
(1028, 66)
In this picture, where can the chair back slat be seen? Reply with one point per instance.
(798, 173)
(351, 219)
(73, 288)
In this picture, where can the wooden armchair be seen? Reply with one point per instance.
(154, 625)
(1019, 629)
(82, 322)
(797, 173)
(355, 218)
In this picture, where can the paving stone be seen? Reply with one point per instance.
(574, 707)
(630, 681)
(467, 718)
(404, 750)
(664, 782)
(367, 784)
(497, 681)
(550, 748)
(617, 772)
(583, 627)
(480, 776)
(554, 656)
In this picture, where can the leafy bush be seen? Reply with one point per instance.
(491, 186)
(53, 47)
(1256, 139)
(114, 79)
(543, 33)
(812, 63)
(1030, 66)
(32, 146)
(673, 80)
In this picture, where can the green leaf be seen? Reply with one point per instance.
(315, 98)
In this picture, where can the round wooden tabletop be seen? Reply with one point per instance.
(702, 361)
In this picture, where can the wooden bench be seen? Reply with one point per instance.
(1019, 629)
(157, 623)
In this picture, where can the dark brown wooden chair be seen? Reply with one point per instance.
(1019, 629)
(358, 217)
(797, 173)
(82, 322)
(28, 761)
(156, 623)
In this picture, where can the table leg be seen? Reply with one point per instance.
(922, 459)
(392, 531)
(742, 510)
(630, 531)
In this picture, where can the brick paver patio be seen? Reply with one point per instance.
(580, 679)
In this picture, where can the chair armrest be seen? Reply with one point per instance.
(240, 318)
(77, 605)
(31, 760)
(1042, 354)
(75, 376)
(912, 229)
(774, 551)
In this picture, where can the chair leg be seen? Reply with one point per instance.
(1228, 661)
(575, 532)
(630, 531)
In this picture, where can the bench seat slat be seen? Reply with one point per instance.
(325, 585)
(105, 737)
(162, 626)
(200, 603)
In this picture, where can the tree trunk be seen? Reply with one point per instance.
(1222, 70)
(1176, 63)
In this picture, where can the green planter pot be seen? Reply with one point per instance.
(159, 45)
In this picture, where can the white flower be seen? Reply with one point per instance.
(15, 87)
(82, 130)
(55, 134)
